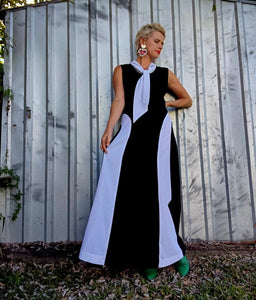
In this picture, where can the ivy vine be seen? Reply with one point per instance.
(5, 43)
(8, 178)
(11, 180)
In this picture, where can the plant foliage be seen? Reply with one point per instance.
(18, 3)
(12, 183)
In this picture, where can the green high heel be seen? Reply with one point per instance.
(151, 273)
(182, 266)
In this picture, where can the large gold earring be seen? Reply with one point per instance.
(142, 51)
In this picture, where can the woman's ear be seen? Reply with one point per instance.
(142, 41)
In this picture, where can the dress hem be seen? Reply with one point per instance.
(92, 258)
(170, 260)
(100, 260)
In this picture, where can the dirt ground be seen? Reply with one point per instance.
(35, 271)
(41, 252)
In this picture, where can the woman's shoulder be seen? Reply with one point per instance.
(162, 69)
(127, 69)
(124, 70)
(126, 66)
(122, 67)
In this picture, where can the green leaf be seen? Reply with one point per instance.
(13, 184)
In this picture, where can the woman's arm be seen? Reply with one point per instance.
(116, 108)
(184, 100)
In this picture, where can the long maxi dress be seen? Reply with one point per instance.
(135, 216)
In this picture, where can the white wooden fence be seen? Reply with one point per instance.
(60, 71)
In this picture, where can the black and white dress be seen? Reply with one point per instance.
(134, 220)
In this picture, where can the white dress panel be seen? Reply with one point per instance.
(169, 250)
(96, 237)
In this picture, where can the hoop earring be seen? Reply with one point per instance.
(142, 51)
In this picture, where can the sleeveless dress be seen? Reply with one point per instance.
(135, 217)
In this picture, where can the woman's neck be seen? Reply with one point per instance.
(144, 61)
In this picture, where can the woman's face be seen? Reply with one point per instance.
(154, 44)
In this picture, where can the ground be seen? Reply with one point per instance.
(53, 271)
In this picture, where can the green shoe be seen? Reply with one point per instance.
(182, 266)
(151, 273)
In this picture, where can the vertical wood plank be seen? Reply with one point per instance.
(246, 195)
(35, 118)
(94, 107)
(125, 45)
(214, 186)
(144, 12)
(221, 204)
(16, 150)
(189, 126)
(6, 128)
(80, 82)
(51, 121)
(58, 114)
(235, 134)
(249, 34)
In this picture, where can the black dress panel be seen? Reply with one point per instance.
(134, 239)
(134, 220)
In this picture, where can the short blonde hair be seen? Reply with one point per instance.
(146, 31)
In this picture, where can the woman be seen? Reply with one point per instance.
(135, 217)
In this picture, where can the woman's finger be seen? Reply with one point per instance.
(104, 144)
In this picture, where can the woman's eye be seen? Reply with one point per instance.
(158, 41)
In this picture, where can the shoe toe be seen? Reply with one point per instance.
(182, 266)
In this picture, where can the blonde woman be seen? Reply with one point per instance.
(135, 217)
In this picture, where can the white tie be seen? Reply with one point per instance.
(142, 90)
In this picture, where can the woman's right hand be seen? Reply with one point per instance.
(117, 107)
(105, 140)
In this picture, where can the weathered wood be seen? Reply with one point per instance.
(60, 70)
